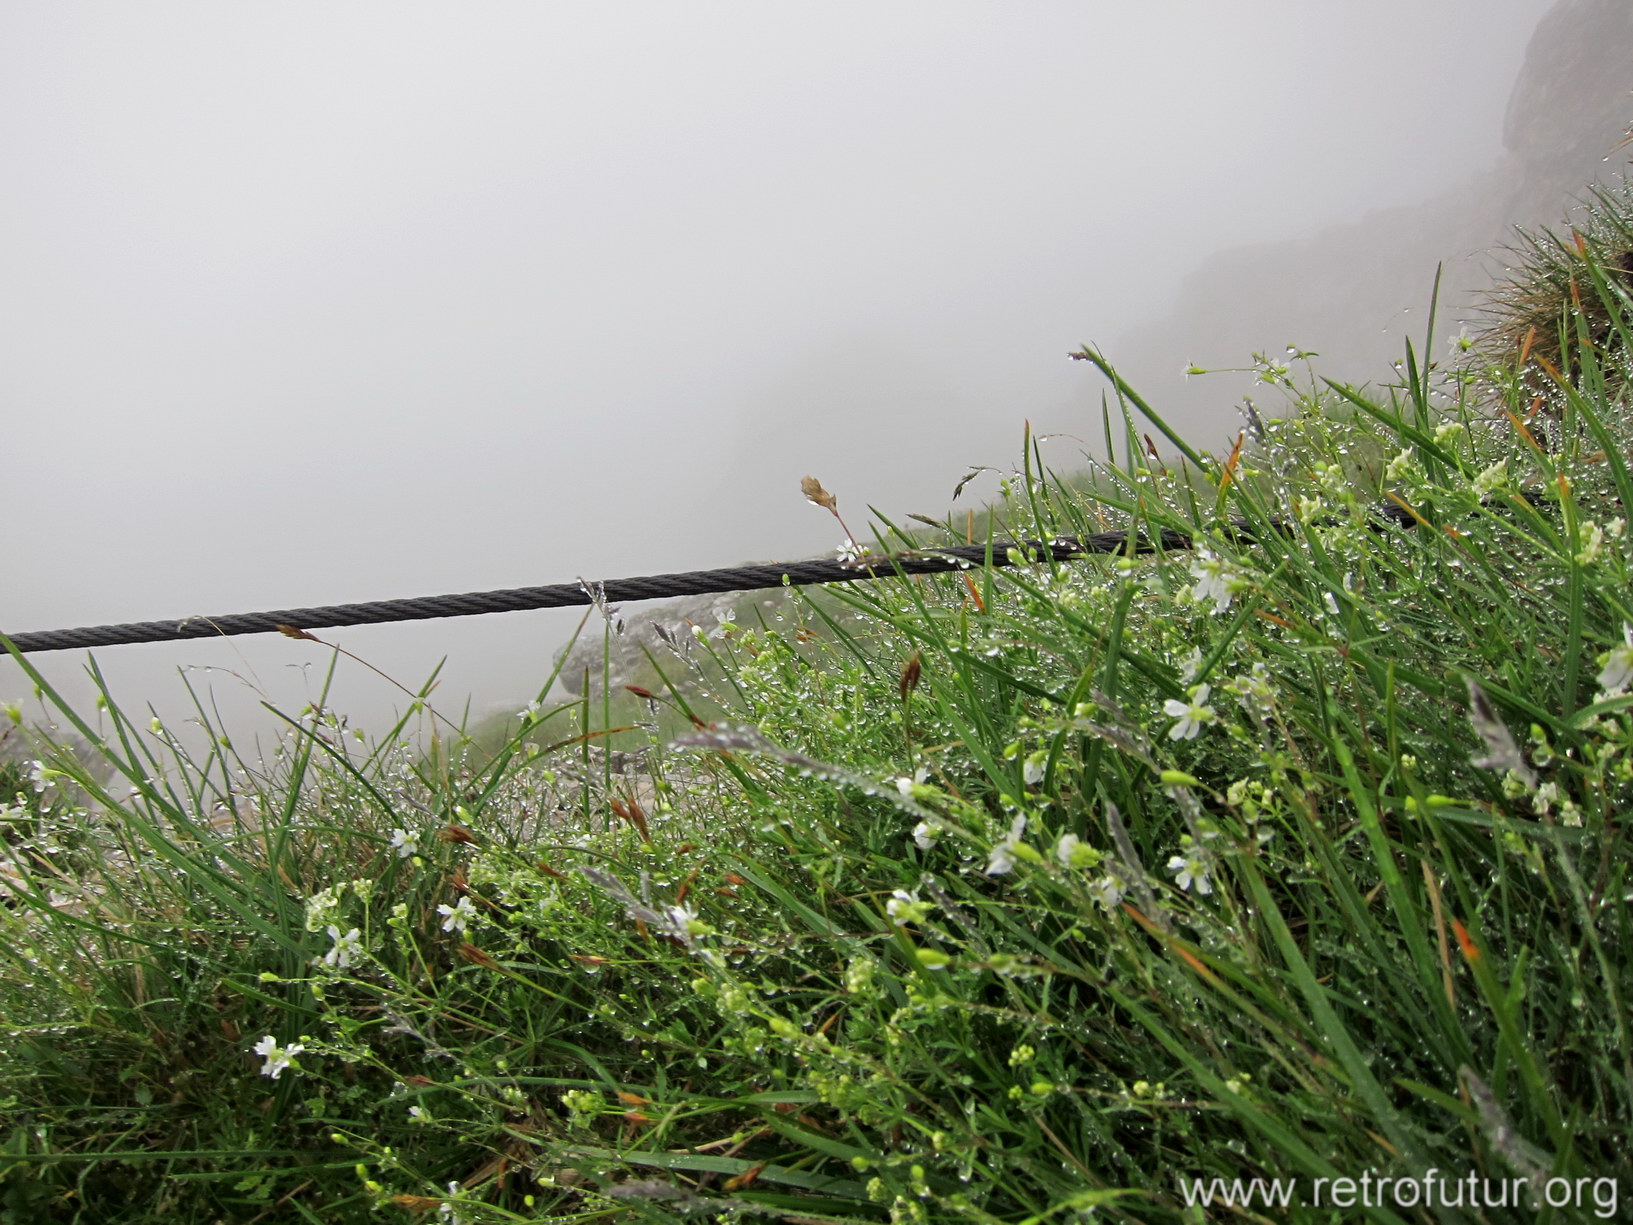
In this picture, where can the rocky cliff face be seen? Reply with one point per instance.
(1571, 102)
(1356, 293)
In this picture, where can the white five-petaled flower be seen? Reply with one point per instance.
(1191, 715)
(1003, 855)
(926, 835)
(346, 947)
(1191, 869)
(404, 843)
(1108, 890)
(456, 918)
(1214, 581)
(1617, 672)
(904, 908)
(276, 1058)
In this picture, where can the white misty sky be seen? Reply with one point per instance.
(306, 303)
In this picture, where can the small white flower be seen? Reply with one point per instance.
(908, 787)
(1109, 890)
(1214, 581)
(1032, 767)
(42, 775)
(404, 843)
(419, 1114)
(1462, 342)
(276, 1058)
(448, 1210)
(904, 908)
(346, 947)
(1191, 869)
(1191, 715)
(681, 922)
(926, 835)
(1003, 855)
(457, 918)
(531, 712)
(1617, 671)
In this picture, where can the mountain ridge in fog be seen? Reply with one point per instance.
(1356, 293)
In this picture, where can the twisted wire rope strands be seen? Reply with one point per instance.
(652, 587)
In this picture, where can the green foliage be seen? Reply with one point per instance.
(1288, 849)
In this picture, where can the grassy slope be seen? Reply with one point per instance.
(996, 900)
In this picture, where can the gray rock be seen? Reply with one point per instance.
(1357, 293)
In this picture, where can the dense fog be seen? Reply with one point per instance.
(315, 304)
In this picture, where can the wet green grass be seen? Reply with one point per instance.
(1014, 895)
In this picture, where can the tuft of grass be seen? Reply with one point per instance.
(1292, 850)
(1566, 295)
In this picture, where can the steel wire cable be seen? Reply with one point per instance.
(936, 560)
